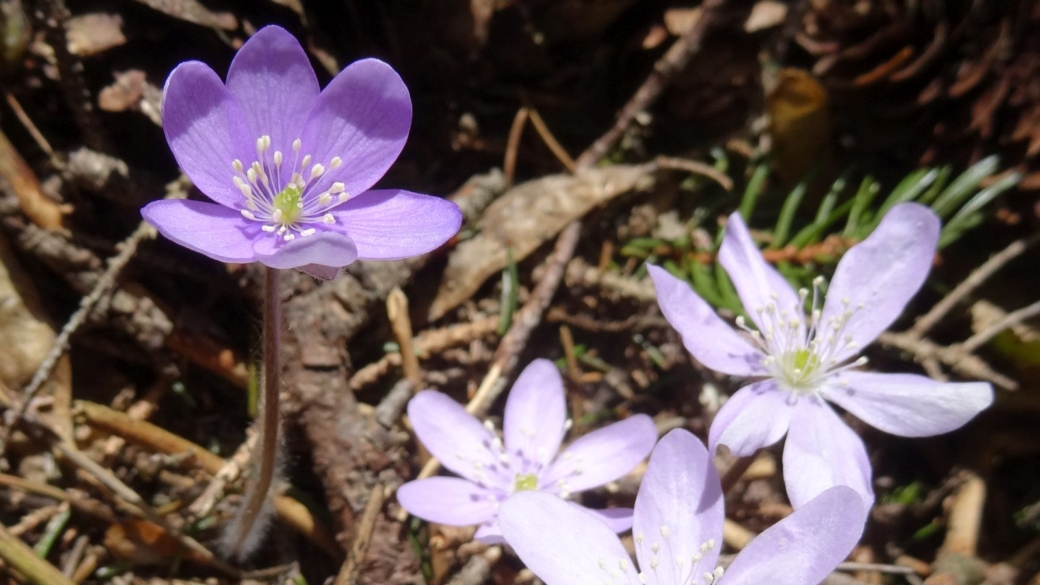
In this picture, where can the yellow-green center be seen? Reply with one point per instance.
(289, 202)
(802, 358)
(525, 483)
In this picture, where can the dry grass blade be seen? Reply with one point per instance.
(22, 559)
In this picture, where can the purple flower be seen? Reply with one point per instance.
(806, 361)
(290, 166)
(677, 528)
(491, 469)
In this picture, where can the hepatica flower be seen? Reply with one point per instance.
(804, 361)
(527, 459)
(678, 531)
(289, 166)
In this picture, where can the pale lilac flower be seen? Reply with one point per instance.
(806, 361)
(678, 532)
(290, 166)
(528, 459)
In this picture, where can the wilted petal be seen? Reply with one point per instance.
(755, 417)
(535, 413)
(805, 546)
(206, 130)
(602, 455)
(561, 543)
(756, 281)
(392, 224)
(678, 509)
(823, 452)
(705, 335)
(273, 81)
(210, 229)
(327, 248)
(448, 500)
(876, 278)
(618, 519)
(909, 405)
(454, 436)
(318, 271)
(362, 117)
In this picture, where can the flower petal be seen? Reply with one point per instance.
(822, 452)
(909, 405)
(602, 455)
(755, 417)
(207, 228)
(205, 129)
(362, 117)
(273, 81)
(392, 224)
(490, 533)
(679, 508)
(618, 519)
(327, 248)
(320, 272)
(877, 277)
(705, 335)
(561, 543)
(448, 500)
(757, 282)
(536, 412)
(805, 546)
(454, 436)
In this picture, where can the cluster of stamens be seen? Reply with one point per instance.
(797, 356)
(687, 563)
(280, 194)
(513, 472)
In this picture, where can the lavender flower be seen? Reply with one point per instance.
(678, 523)
(534, 426)
(806, 361)
(290, 166)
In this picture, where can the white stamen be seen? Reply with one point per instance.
(248, 215)
(289, 237)
(335, 162)
(308, 232)
(328, 218)
(268, 228)
(317, 170)
(337, 187)
(237, 165)
(296, 145)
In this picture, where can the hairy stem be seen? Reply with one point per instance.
(245, 524)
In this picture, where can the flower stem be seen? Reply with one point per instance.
(242, 538)
(736, 471)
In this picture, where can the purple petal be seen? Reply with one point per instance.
(756, 281)
(755, 417)
(207, 228)
(618, 519)
(561, 543)
(448, 500)
(536, 412)
(320, 272)
(602, 455)
(392, 224)
(454, 436)
(804, 547)
(876, 278)
(679, 508)
(273, 81)
(490, 533)
(822, 452)
(363, 118)
(909, 405)
(328, 248)
(206, 130)
(705, 335)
